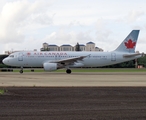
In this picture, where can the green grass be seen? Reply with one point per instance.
(90, 70)
(28, 70)
(2, 91)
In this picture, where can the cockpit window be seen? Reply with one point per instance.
(12, 56)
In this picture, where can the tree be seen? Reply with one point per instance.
(142, 61)
(77, 47)
(45, 49)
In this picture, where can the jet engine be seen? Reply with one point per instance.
(50, 66)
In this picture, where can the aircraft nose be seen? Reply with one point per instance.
(5, 61)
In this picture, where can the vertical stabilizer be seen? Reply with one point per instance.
(129, 43)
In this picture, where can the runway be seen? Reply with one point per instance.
(55, 79)
(76, 96)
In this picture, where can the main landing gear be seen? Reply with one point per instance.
(21, 70)
(68, 71)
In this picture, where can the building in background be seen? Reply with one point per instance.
(98, 49)
(82, 47)
(66, 47)
(45, 47)
(54, 47)
(90, 46)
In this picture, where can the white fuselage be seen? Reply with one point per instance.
(93, 59)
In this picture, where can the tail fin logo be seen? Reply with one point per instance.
(130, 44)
(28, 53)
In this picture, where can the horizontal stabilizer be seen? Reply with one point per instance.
(132, 55)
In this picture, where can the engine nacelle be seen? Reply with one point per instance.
(50, 66)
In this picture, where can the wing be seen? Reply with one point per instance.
(69, 60)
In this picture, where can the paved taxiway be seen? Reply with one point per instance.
(75, 79)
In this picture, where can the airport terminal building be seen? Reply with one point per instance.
(90, 46)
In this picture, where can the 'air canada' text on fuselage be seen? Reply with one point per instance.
(48, 53)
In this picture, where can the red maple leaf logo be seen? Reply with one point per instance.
(130, 44)
(28, 53)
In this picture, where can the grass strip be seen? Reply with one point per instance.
(90, 70)
(2, 91)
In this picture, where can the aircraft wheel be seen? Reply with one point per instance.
(68, 71)
(21, 71)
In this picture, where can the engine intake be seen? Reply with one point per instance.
(50, 66)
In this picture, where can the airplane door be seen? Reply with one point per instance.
(113, 57)
(20, 57)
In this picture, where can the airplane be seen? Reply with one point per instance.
(53, 60)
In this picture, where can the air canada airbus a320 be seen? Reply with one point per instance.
(52, 61)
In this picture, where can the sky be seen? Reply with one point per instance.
(27, 24)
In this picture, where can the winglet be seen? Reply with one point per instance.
(129, 43)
